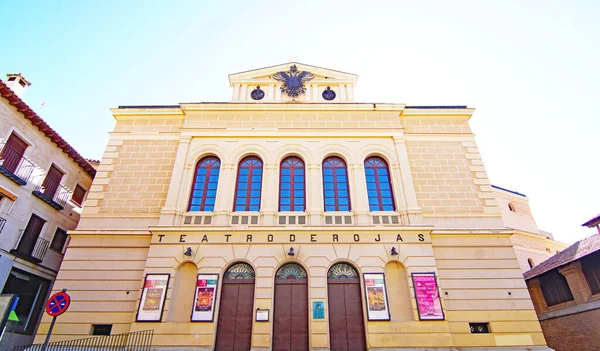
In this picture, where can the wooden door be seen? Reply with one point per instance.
(30, 235)
(290, 315)
(52, 181)
(12, 152)
(346, 325)
(234, 328)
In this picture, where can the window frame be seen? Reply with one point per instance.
(66, 236)
(80, 203)
(247, 204)
(292, 182)
(205, 185)
(555, 288)
(335, 185)
(383, 165)
(590, 265)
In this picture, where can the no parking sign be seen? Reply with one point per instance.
(58, 304)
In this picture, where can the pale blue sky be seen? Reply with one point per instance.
(530, 68)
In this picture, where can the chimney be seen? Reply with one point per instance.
(17, 83)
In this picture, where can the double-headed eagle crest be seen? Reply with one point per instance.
(293, 81)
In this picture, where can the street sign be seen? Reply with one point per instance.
(58, 304)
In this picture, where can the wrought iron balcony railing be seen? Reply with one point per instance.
(14, 166)
(2, 223)
(31, 247)
(51, 192)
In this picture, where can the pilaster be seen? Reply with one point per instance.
(577, 283)
(173, 206)
(412, 213)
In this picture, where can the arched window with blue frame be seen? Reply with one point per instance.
(204, 189)
(379, 186)
(249, 185)
(292, 193)
(336, 193)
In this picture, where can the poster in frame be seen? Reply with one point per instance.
(427, 295)
(376, 297)
(152, 300)
(205, 298)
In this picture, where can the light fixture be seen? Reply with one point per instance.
(188, 252)
(291, 252)
(394, 252)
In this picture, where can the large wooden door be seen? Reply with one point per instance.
(290, 321)
(234, 328)
(346, 325)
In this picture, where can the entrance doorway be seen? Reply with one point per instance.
(290, 321)
(346, 325)
(234, 328)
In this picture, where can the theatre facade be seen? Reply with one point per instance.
(294, 218)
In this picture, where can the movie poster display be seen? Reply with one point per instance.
(205, 298)
(427, 294)
(376, 295)
(152, 301)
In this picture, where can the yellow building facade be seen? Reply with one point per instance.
(293, 217)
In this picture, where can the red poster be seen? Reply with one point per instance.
(427, 295)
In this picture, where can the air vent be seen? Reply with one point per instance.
(244, 220)
(385, 219)
(293, 220)
(197, 220)
(479, 328)
(338, 220)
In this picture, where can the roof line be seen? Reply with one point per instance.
(149, 106)
(43, 127)
(446, 107)
(510, 191)
(285, 63)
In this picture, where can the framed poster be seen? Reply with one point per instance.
(427, 294)
(205, 298)
(152, 301)
(376, 295)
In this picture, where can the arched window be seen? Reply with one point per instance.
(249, 184)
(379, 187)
(292, 192)
(204, 190)
(335, 185)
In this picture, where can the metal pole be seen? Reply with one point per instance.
(49, 334)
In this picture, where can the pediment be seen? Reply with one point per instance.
(264, 75)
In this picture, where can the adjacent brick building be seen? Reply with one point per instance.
(565, 290)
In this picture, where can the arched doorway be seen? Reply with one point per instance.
(290, 315)
(346, 325)
(234, 329)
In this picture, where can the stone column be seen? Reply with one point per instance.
(225, 190)
(181, 174)
(314, 184)
(269, 202)
(577, 283)
(412, 213)
(358, 194)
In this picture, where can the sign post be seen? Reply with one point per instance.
(56, 305)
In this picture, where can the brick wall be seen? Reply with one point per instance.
(576, 332)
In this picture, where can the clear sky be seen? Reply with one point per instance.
(530, 68)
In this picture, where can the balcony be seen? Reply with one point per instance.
(30, 247)
(2, 223)
(14, 166)
(52, 193)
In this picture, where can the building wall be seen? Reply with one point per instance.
(578, 332)
(136, 222)
(18, 204)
